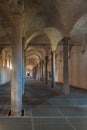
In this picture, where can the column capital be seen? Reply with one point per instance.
(46, 57)
(52, 52)
(42, 61)
(65, 39)
(23, 39)
(16, 11)
(4, 2)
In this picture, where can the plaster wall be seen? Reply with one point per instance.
(77, 67)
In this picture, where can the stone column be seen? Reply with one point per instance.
(53, 68)
(0, 67)
(16, 11)
(66, 88)
(23, 66)
(56, 68)
(9, 61)
(42, 71)
(35, 72)
(46, 69)
(16, 82)
(4, 69)
(38, 71)
(6, 61)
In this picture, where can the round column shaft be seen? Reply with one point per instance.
(23, 66)
(66, 88)
(46, 69)
(42, 71)
(53, 68)
(16, 82)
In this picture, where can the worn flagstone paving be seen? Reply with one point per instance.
(45, 108)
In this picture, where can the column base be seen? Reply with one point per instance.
(66, 90)
(46, 83)
(16, 113)
(53, 85)
(42, 81)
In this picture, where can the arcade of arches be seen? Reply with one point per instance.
(45, 40)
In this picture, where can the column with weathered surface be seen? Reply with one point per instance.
(16, 82)
(56, 68)
(34, 72)
(46, 69)
(53, 68)
(42, 71)
(23, 66)
(38, 73)
(1, 65)
(66, 88)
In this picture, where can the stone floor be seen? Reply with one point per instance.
(45, 108)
